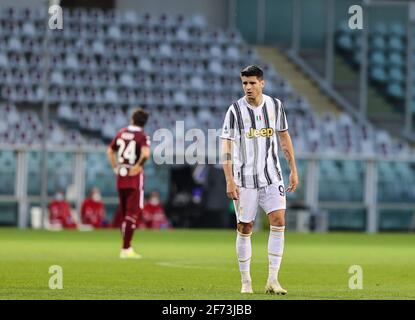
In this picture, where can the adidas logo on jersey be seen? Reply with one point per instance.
(256, 133)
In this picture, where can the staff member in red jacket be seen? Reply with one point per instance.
(60, 212)
(93, 210)
(154, 216)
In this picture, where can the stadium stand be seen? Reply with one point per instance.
(387, 56)
(105, 63)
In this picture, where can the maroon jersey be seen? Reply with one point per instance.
(127, 143)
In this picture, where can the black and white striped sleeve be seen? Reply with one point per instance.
(229, 125)
(281, 124)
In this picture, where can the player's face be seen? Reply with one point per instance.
(252, 86)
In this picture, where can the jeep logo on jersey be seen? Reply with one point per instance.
(256, 133)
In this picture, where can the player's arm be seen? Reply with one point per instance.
(112, 158)
(138, 167)
(288, 149)
(232, 190)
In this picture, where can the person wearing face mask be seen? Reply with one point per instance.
(154, 216)
(93, 210)
(60, 212)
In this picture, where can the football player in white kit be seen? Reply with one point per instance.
(252, 170)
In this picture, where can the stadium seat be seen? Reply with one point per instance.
(396, 60)
(378, 74)
(380, 29)
(395, 90)
(14, 45)
(378, 43)
(397, 29)
(3, 60)
(377, 58)
(396, 44)
(396, 75)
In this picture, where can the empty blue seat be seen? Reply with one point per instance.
(377, 58)
(378, 74)
(395, 90)
(380, 29)
(397, 29)
(396, 75)
(396, 59)
(396, 44)
(378, 43)
(345, 42)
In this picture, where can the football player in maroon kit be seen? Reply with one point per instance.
(127, 153)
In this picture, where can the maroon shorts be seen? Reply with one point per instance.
(132, 201)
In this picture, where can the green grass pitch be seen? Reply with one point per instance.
(201, 264)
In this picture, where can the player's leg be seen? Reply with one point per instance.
(275, 250)
(129, 223)
(244, 253)
(121, 209)
(125, 231)
(245, 210)
(272, 200)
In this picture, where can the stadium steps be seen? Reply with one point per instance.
(301, 83)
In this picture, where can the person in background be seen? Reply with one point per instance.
(93, 210)
(127, 153)
(154, 216)
(60, 212)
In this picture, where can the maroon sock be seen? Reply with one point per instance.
(128, 227)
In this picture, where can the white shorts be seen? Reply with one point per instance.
(269, 198)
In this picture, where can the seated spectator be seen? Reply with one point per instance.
(153, 216)
(93, 210)
(60, 213)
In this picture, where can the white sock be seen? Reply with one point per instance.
(275, 251)
(244, 252)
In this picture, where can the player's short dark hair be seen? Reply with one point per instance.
(139, 117)
(252, 71)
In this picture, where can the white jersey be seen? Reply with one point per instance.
(255, 148)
